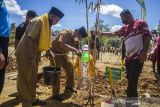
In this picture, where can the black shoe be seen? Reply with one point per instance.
(58, 98)
(38, 102)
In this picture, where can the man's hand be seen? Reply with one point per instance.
(49, 54)
(143, 56)
(2, 61)
(73, 50)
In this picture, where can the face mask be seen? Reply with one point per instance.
(125, 22)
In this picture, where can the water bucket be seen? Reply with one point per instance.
(50, 74)
(116, 73)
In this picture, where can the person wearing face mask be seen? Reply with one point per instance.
(66, 40)
(36, 38)
(154, 40)
(155, 54)
(22, 27)
(137, 38)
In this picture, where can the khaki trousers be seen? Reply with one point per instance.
(26, 80)
(64, 62)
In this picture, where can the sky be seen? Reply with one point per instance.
(75, 12)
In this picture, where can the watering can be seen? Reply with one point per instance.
(85, 57)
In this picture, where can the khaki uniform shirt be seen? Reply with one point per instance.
(64, 37)
(33, 30)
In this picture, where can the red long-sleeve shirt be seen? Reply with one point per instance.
(133, 35)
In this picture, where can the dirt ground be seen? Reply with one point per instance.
(102, 88)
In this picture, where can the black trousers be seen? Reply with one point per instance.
(4, 42)
(134, 68)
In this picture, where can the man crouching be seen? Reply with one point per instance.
(67, 40)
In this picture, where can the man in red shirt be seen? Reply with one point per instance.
(154, 40)
(156, 52)
(136, 34)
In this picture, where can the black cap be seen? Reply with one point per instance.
(56, 12)
(31, 13)
(125, 12)
(83, 32)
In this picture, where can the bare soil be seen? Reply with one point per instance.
(102, 89)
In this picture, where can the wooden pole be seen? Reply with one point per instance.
(97, 27)
(87, 15)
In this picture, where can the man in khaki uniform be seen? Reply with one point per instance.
(28, 56)
(67, 40)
